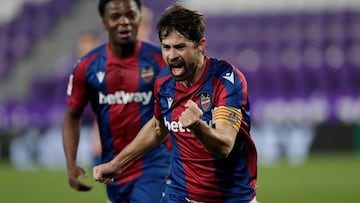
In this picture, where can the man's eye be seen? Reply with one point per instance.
(131, 15)
(114, 17)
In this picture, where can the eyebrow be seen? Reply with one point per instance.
(181, 44)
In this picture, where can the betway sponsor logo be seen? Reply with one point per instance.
(175, 126)
(121, 97)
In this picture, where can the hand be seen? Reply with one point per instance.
(191, 116)
(104, 173)
(73, 175)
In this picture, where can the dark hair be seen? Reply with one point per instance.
(102, 4)
(189, 23)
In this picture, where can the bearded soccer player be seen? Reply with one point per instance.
(117, 79)
(202, 103)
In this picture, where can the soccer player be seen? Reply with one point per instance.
(202, 103)
(144, 32)
(117, 79)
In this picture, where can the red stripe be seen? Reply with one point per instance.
(79, 96)
(124, 128)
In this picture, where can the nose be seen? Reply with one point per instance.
(123, 20)
(173, 54)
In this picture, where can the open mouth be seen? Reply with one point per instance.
(177, 69)
(124, 34)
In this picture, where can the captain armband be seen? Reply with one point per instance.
(229, 115)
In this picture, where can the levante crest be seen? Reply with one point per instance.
(147, 74)
(205, 102)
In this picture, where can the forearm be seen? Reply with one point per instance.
(147, 139)
(71, 136)
(219, 141)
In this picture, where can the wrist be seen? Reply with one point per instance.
(195, 126)
(113, 164)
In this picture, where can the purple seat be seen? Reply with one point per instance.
(289, 29)
(312, 28)
(4, 66)
(57, 8)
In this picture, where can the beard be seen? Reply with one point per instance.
(182, 71)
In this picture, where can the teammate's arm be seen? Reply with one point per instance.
(219, 140)
(71, 137)
(151, 135)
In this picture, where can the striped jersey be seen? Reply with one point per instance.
(120, 92)
(195, 173)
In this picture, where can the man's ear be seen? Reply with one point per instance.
(202, 45)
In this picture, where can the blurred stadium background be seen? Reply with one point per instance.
(301, 59)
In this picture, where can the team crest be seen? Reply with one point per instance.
(147, 74)
(205, 102)
(232, 118)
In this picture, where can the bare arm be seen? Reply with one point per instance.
(96, 142)
(151, 135)
(71, 137)
(219, 140)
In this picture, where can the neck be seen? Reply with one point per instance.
(123, 50)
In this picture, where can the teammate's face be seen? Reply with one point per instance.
(181, 55)
(121, 20)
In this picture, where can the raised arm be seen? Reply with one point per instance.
(219, 140)
(151, 135)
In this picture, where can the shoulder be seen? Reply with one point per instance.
(226, 71)
(146, 46)
(164, 77)
(95, 54)
(152, 54)
(221, 66)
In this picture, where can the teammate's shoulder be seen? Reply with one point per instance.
(99, 50)
(150, 47)
(92, 55)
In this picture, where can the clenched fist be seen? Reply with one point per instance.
(104, 173)
(191, 116)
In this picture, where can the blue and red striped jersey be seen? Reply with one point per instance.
(120, 92)
(194, 172)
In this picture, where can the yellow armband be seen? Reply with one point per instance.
(229, 115)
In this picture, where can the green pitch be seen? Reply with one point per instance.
(330, 178)
(323, 179)
(44, 187)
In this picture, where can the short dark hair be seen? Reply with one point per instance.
(189, 23)
(102, 4)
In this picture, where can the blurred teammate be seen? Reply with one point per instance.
(144, 32)
(117, 79)
(202, 103)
